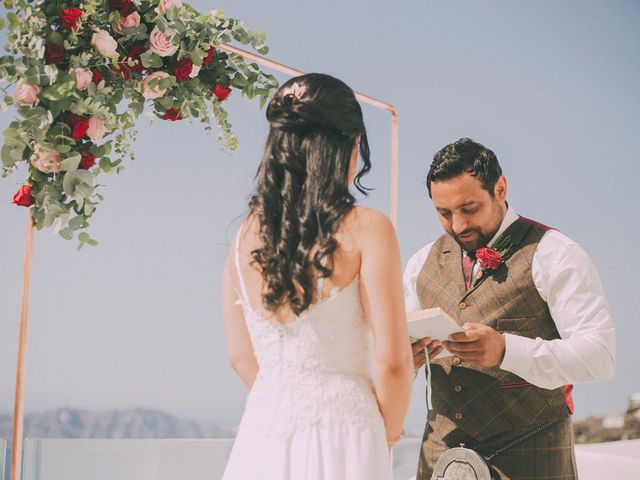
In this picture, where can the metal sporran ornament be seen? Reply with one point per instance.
(461, 463)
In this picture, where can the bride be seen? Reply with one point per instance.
(312, 293)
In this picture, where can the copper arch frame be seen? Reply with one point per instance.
(18, 414)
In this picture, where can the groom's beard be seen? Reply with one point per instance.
(479, 240)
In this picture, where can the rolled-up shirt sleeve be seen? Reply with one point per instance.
(567, 280)
(410, 278)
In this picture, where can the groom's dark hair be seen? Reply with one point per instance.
(465, 155)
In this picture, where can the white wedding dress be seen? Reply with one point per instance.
(312, 412)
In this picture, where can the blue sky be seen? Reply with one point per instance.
(552, 87)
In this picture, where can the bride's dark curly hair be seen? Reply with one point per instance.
(302, 191)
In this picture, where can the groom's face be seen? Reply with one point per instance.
(467, 211)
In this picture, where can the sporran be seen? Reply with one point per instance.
(462, 463)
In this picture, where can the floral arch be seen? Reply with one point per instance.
(83, 73)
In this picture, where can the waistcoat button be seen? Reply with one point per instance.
(457, 388)
(457, 416)
(462, 305)
(457, 361)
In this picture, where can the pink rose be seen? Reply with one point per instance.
(83, 78)
(166, 4)
(104, 44)
(161, 44)
(130, 21)
(96, 129)
(26, 95)
(156, 92)
(45, 160)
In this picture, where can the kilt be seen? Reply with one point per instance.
(548, 455)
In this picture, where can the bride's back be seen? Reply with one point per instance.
(314, 366)
(345, 261)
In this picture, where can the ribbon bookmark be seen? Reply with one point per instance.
(428, 368)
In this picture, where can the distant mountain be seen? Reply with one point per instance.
(135, 423)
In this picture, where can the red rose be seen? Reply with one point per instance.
(97, 77)
(489, 258)
(88, 160)
(125, 7)
(23, 196)
(173, 114)
(183, 69)
(79, 125)
(54, 54)
(70, 18)
(209, 57)
(134, 54)
(121, 70)
(221, 91)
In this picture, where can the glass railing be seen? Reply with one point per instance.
(177, 459)
(405, 458)
(153, 459)
(126, 459)
(3, 457)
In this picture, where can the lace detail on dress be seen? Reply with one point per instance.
(312, 370)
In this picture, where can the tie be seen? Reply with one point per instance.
(467, 269)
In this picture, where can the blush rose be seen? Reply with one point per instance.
(160, 43)
(26, 94)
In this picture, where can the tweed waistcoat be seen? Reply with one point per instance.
(487, 401)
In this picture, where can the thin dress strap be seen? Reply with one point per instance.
(320, 284)
(243, 290)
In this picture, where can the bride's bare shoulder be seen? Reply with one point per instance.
(364, 224)
(362, 218)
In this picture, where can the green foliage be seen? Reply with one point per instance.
(64, 192)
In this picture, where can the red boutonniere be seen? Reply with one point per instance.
(489, 258)
(492, 258)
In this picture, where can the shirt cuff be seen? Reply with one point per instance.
(517, 354)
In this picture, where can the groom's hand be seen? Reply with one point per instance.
(419, 357)
(479, 345)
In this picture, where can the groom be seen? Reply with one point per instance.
(534, 316)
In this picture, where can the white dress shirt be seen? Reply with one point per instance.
(568, 282)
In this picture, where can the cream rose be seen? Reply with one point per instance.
(156, 92)
(104, 44)
(96, 129)
(166, 4)
(195, 69)
(26, 94)
(45, 160)
(130, 21)
(83, 78)
(161, 44)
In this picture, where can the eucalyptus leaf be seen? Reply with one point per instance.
(70, 163)
(76, 223)
(7, 158)
(66, 233)
(71, 180)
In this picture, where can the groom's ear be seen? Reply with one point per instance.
(500, 188)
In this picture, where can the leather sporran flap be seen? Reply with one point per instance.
(461, 463)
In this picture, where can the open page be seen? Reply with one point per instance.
(431, 322)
